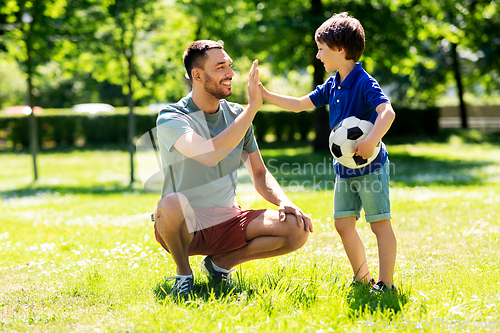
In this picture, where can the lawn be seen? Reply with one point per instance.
(78, 254)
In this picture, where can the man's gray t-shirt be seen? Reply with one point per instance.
(205, 187)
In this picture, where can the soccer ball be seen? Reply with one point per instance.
(344, 137)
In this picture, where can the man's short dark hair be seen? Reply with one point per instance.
(344, 32)
(196, 54)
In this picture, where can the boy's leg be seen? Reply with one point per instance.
(387, 249)
(267, 237)
(347, 208)
(374, 193)
(354, 248)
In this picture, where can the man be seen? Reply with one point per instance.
(202, 140)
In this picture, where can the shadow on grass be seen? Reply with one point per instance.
(309, 170)
(207, 290)
(410, 170)
(360, 301)
(201, 291)
(315, 168)
(445, 135)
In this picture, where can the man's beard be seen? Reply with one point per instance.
(214, 88)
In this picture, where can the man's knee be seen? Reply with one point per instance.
(171, 201)
(297, 236)
(171, 207)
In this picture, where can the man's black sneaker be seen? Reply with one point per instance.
(183, 285)
(214, 275)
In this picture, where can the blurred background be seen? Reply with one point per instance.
(76, 73)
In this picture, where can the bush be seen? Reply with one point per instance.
(415, 122)
(285, 125)
(66, 129)
(112, 128)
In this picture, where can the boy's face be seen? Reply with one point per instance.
(330, 58)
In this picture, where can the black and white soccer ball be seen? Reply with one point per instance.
(344, 137)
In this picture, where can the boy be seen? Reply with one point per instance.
(353, 92)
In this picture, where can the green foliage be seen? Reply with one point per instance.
(278, 33)
(137, 46)
(38, 30)
(72, 44)
(407, 44)
(12, 83)
(439, 25)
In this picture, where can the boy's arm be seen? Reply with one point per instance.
(384, 121)
(295, 104)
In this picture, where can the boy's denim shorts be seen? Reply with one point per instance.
(370, 192)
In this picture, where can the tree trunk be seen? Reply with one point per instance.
(460, 88)
(33, 128)
(321, 119)
(131, 122)
(31, 103)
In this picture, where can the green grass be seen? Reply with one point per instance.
(78, 254)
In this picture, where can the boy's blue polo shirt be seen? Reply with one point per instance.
(358, 95)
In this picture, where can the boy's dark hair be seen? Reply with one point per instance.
(196, 54)
(344, 32)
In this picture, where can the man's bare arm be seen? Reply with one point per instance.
(267, 186)
(210, 152)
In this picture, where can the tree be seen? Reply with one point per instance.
(27, 37)
(457, 44)
(474, 26)
(135, 47)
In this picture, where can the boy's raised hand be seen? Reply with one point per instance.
(254, 92)
(265, 92)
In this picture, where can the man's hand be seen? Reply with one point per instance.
(303, 220)
(364, 148)
(254, 92)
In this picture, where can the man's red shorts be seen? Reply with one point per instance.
(220, 238)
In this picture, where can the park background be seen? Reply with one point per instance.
(77, 252)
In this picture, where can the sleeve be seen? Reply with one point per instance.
(170, 127)
(321, 95)
(250, 143)
(374, 96)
